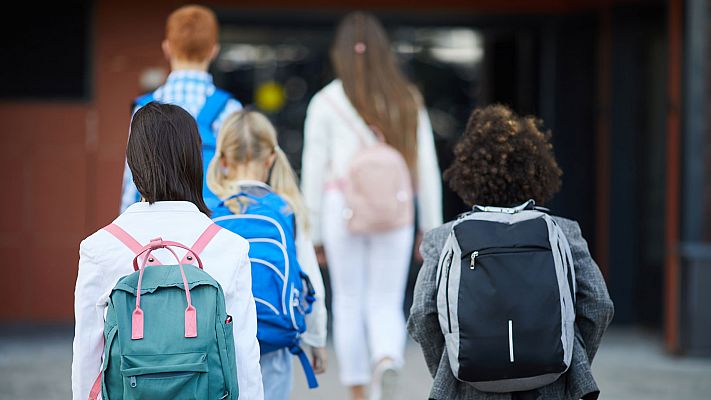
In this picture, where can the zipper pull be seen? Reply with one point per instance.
(475, 254)
(133, 381)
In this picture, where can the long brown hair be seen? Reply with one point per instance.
(374, 84)
(165, 156)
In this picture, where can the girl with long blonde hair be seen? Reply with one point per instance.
(248, 166)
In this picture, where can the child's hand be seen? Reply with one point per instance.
(319, 359)
(416, 249)
(320, 256)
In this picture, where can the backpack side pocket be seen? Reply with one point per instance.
(225, 343)
(110, 374)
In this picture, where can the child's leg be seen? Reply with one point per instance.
(388, 266)
(346, 264)
(277, 375)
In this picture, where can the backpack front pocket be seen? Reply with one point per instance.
(167, 376)
(512, 315)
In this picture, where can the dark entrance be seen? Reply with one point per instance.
(548, 66)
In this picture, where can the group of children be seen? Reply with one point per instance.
(186, 136)
(195, 159)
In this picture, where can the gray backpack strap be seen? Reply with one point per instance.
(565, 272)
(568, 259)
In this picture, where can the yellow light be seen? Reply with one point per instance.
(270, 96)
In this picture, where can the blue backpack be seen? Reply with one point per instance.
(282, 292)
(212, 109)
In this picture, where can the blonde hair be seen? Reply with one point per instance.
(246, 137)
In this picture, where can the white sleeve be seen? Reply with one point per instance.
(89, 326)
(429, 182)
(240, 305)
(316, 321)
(315, 160)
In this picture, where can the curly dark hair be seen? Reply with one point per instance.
(503, 159)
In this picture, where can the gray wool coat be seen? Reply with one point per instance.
(594, 311)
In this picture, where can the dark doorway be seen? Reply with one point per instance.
(638, 111)
(542, 65)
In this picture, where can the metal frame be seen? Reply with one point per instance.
(672, 269)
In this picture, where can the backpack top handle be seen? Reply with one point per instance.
(159, 243)
(529, 205)
(190, 311)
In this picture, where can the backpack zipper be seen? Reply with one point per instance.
(446, 296)
(160, 375)
(472, 261)
(294, 302)
(501, 250)
(447, 260)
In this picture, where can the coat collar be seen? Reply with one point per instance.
(162, 206)
(189, 75)
(249, 182)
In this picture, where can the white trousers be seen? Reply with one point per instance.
(368, 280)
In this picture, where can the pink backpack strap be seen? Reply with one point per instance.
(96, 388)
(128, 240)
(351, 124)
(202, 241)
(124, 237)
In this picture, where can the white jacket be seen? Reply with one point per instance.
(103, 260)
(330, 143)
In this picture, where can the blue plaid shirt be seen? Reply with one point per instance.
(187, 89)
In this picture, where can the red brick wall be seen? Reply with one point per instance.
(43, 169)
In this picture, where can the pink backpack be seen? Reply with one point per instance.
(378, 187)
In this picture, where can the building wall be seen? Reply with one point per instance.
(61, 162)
(43, 167)
(64, 162)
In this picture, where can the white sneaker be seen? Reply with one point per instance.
(385, 379)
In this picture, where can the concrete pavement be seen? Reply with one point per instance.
(630, 365)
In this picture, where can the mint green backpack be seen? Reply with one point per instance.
(167, 333)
